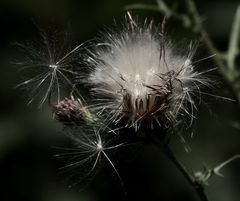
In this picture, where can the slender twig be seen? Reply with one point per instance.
(198, 187)
(163, 8)
(233, 48)
(142, 7)
(205, 36)
(225, 62)
(217, 169)
(171, 156)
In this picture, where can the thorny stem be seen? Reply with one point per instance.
(233, 48)
(171, 156)
(227, 70)
(205, 36)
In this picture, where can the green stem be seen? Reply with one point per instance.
(233, 48)
(206, 38)
(228, 71)
(171, 156)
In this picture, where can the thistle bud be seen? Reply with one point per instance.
(69, 111)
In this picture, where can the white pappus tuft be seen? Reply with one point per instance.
(92, 146)
(52, 66)
(139, 75)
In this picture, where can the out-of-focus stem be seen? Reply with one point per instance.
(205, 36)
(233, 48)
(227, 70)
(171, 156)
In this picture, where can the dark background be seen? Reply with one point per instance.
(28, 170)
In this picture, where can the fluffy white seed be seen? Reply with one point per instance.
(139, 75)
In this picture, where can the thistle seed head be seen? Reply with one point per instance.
(139, 75)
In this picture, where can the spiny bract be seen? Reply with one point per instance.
(139, 75)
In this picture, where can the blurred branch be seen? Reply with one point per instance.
(225, 61)
(233, 49)
(197, 186)
(163, 8)
(217, 169)
(198, 27)
(142, 7)
(202, 177)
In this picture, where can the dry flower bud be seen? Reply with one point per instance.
(70, 111)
